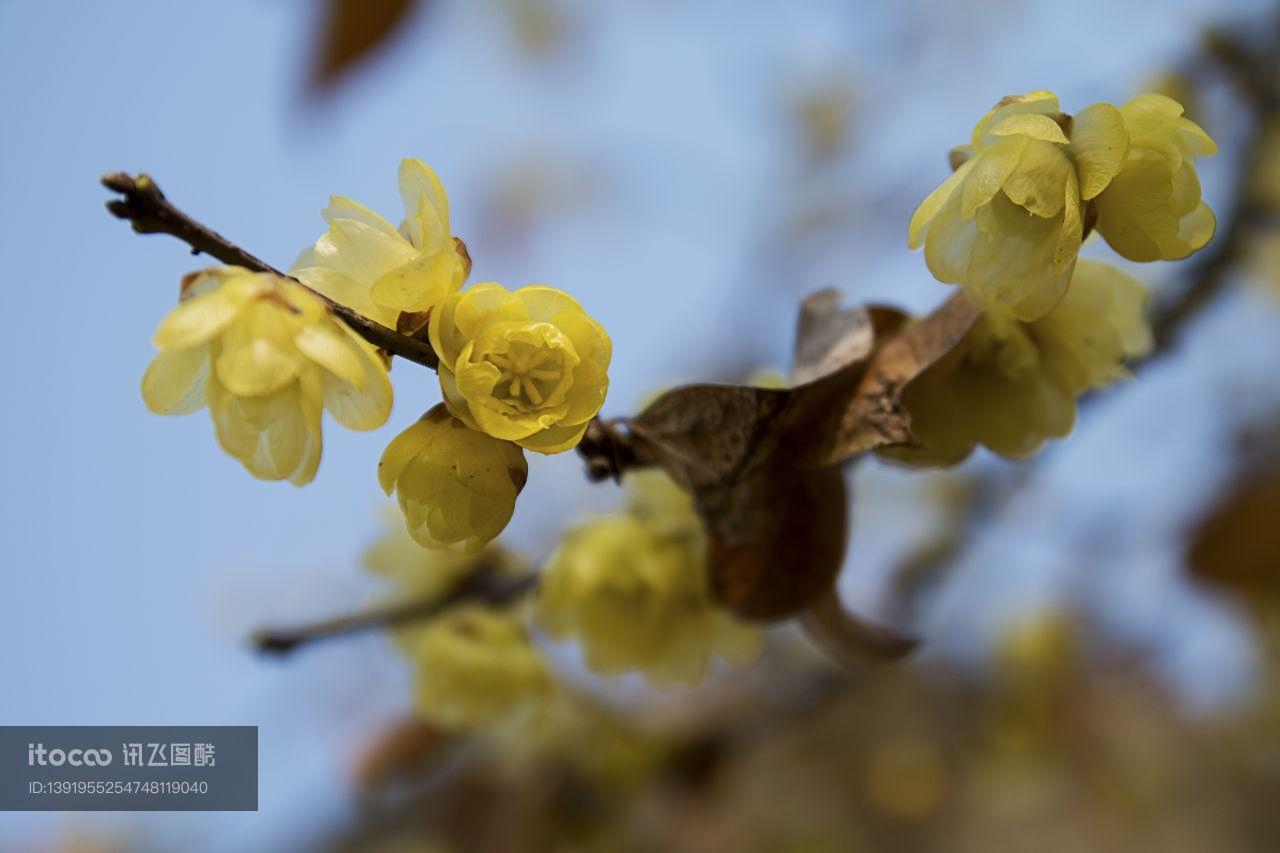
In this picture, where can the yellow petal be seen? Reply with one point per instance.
(1038, 181)
(341, 207)
(991, 169)
(1099, 145)
(426, 205)
(344, 290)
(365, 404)
(400, 451)
(418, 284)
(174, 383)
(197, 319)
(360, 251)
(1031, 125)
(257, 354)
(932, 204)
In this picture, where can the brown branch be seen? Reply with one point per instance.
(484, 585)
(146, 208)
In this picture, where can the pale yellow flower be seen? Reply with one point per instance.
(1011, 386)
(475, 667)
(1152, 209)
(633, 590)
(527, 366)
(365, 263)
(454, 484)
(266, 356)
(1008, 223)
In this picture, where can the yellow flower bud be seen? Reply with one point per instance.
(527, 366)
(1152, 209)
(1011, 386)
(454, 484)
(475, 667)
(266, 356)
(365, 263)
(633, 590)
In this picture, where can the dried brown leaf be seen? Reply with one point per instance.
(352, 30)
(851, 639)
(834, 423)
(1238, 547)
(762, 463)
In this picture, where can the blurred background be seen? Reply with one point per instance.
(1101, 663)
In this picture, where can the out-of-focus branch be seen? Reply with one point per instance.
(484, 586)
(145, 206)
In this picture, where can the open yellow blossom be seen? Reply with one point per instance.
(365, 263)
(527, 366)
(633, 589)
(1011, 385)
(1152, 209)
(1008, 223)
(475, 667)
(266, 356)
(454, 484)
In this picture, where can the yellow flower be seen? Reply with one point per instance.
(475, 667)
(454, 484)
(1152, 209)
(365, 263)
(529, 366)
(1011, 385)
(633, 589)
(1008, 223)
(266, 356)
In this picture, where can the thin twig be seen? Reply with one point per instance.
(145, 206)
(484, 585)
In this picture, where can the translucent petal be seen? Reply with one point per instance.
(418, 284)
(341, 207)
(932, 204)
(1034, 126)
(199, 318)
(1099, 145)
(174, 383)
(991, 169)
(257, 355)
(365, 404)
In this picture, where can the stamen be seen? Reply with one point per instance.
(531, 391)
(545, 374)
(514, 389)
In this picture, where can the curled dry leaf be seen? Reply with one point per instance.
(762, 463)
(849, 638)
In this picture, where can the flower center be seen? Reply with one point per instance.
(527, 374)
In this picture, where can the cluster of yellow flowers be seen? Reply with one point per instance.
(518, 370)
(633, 589)
(475, 665)
(1008, 225)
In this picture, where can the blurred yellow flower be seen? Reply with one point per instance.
(633, 590)
(365, 263)
(1152, 210)
(454, 484)
(1011, 385)
(266, 356)
(475, 667)
(527, 366)
(1007, 224)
